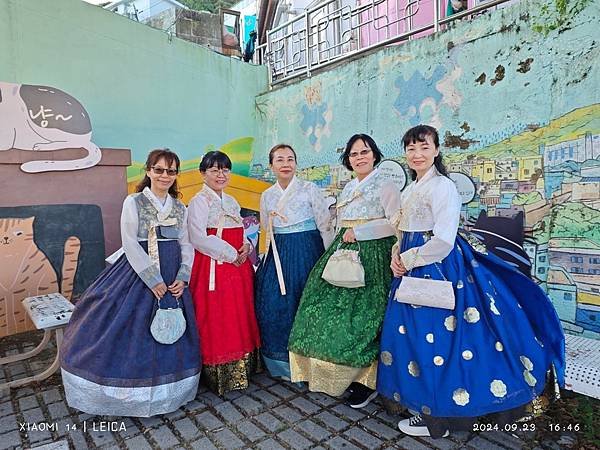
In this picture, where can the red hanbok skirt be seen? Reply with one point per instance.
(225, 317)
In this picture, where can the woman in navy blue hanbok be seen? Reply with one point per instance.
(111, 364)
(295, 215)
(491, 353)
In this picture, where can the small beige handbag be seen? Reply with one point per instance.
(344, 269)
(426, 292)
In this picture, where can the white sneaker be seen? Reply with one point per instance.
(415, 426)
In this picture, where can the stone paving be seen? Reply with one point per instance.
(269, 415)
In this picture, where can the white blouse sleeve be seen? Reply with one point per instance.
(445, 205)
(211, 246)
(264, 214)
(187, 251)
(321, 215)
(135, 254)
(381, 228)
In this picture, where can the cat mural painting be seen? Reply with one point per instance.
(222, 281)
(112, 358)
(43, 118)
(491, 350)
(27, 272)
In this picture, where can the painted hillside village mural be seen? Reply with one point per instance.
(521, 140)
(551, 174)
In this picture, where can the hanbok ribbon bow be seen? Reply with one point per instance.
(271, 240)
(353, 197)
(214, 262)
(153, 239)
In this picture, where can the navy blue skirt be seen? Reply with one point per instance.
(110, 362)
(275, 313)
(490, 354)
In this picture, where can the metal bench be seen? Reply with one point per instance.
(51, 313)
(582, 374)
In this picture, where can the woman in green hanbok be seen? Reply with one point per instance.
(335, 337)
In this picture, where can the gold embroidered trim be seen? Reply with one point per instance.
(349, 223)
(222, 378)
(331, 378)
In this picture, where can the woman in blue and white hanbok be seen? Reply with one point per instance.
(111, 364)
(491, 353)
(295, 215)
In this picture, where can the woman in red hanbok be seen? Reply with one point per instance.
(222, 281)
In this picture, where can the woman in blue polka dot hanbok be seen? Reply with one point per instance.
(494, 351)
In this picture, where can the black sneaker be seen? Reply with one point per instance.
(415, 426)
(361, 396)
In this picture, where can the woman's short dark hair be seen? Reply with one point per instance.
(419, 134)
(153, 157)
(369, 142)
(215, 158)
(279, 147)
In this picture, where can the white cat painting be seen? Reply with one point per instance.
(42, 118)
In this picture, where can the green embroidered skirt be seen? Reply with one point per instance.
(335, 336)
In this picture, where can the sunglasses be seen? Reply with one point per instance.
(160, 171)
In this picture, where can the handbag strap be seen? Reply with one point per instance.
(436, 266)
(342, 243)
(178, 300)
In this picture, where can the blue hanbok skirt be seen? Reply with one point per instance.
(490, 354)
(298, 252)
(111, 364)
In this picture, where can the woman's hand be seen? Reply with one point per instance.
(243, 253)
(397, 266)
(177, 288)
(349, 236)
(159, 290)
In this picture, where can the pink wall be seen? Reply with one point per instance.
(376, 31)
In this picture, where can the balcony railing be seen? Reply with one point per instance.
(339, 29)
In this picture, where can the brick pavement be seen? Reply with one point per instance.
(271, 414)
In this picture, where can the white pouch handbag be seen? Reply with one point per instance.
(344, 269)
(168, 325)
(426, 292)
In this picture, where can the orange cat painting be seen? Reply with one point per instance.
(25, 271)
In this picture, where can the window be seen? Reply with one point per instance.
(526, 171)
(542, 259)
(489, 170)
(568, 296)
(541, 270)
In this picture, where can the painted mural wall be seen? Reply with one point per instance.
(142, 88)
(515, 95)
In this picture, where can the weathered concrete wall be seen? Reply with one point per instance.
(518, 111)
(141, 88)
(200, 27)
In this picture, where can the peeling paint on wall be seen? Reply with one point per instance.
(518, 112)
